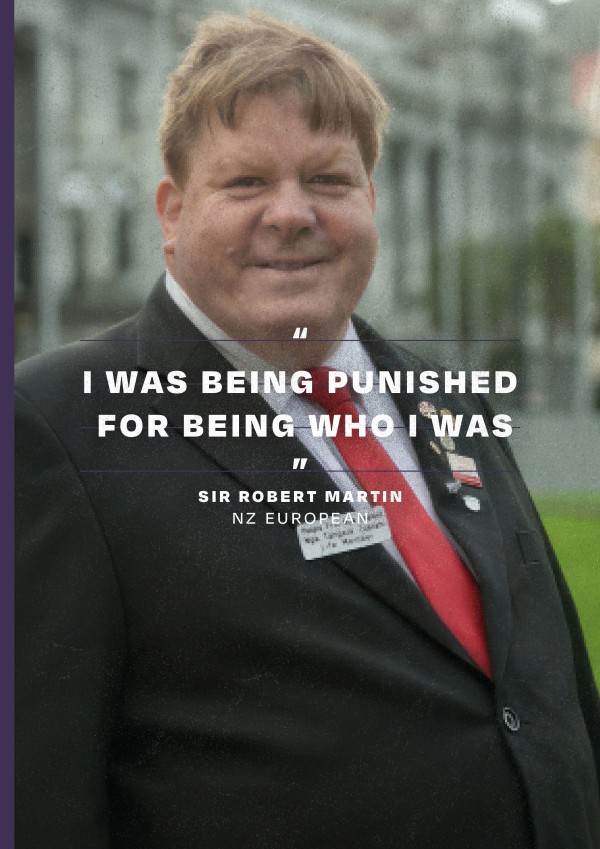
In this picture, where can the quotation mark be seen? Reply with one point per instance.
(299, 462)
(300, 332)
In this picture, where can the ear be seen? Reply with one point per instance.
(169, 200)
(373, 194)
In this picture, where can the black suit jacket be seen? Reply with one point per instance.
(184, 682)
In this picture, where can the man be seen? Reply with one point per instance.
(189, 679)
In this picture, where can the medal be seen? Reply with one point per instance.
(472, 503)
(427, 409)
(464, 469)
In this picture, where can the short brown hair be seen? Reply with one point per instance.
(233, 56)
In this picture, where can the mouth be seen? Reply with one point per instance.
(289, 265)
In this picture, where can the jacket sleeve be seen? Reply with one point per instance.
(70, 645)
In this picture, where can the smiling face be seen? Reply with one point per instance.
(273, 228)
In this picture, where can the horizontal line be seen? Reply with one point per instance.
(308, 427)
(299, 340)
(276, 471)
(296, 427)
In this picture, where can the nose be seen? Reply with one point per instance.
(289, 210)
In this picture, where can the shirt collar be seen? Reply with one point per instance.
(349, 356)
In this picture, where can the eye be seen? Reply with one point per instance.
(330, 179)
(244, 183)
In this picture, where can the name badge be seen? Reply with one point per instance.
(345, 532)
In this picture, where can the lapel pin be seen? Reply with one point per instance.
(464, 469)
(453, 486)
(427, 409)
(446, 412)
(472, 503)
(447, 443)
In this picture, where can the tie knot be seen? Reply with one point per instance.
(320, 390)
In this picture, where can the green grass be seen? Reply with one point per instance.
(572, 521)
(581, 505)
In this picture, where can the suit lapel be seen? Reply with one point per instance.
(168, 341)
(475, 532)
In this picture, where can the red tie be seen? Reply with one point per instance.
(435, 565)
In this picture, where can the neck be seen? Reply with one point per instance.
(295, 355)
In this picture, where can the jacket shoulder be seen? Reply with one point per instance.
(54, 377)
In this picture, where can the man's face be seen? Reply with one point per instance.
(274, 227)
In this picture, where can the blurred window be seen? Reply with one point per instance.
(128, 80)
(396, 154)
(433, 164)
(124, 239)
(79, 253)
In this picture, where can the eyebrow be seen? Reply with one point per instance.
(339, 152)
(314, 160)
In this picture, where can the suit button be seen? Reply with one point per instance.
(511, 719)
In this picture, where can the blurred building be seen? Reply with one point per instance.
(485, 149)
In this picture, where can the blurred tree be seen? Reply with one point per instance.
(507, 280)
(552, 264)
